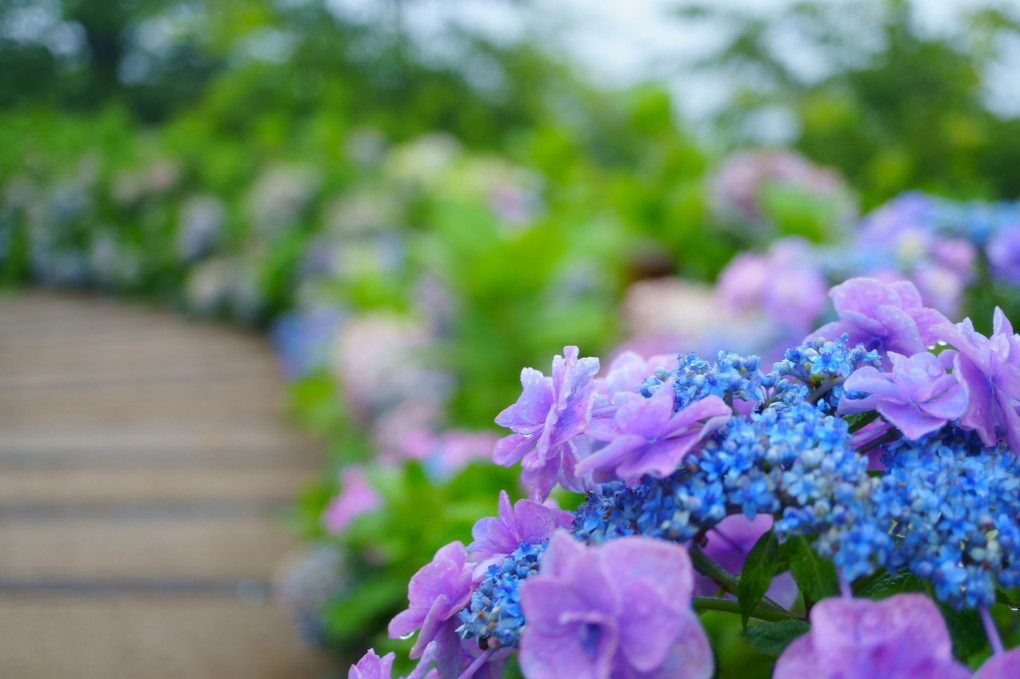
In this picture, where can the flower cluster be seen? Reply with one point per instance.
(946, 509)
(606, 590)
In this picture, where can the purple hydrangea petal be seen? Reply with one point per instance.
(525, 521)
(647, 628)
(869, 380)
(1001, 666)
(902, 636)
(917, 397)
(651, 439)
(659, 459)
(566, 642)
(690, 656)
(371, 666)
(613, 454)
(534, 404)
(882, 316)
(910, 419)
(655, 561)
(979, 416)
(618, 609)
(550, 413)
(560, 552)
(950, 404)
(436, 593)
(510, 449)
(798, 661)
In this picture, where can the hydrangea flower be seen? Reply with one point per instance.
(1004, 255)
(647, 437)
(628, 371)
(945, 509)
(493, 618)
(371, 666)
(917, 397)
(886, 317)
(356, 497)
(785, 283)
(621, 609)
(546, 421)
(527, 521)
(902, 637)
(988, 368)
(436, 593)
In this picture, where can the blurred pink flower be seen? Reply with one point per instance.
(356, 497)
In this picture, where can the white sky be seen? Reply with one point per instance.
(622, 42)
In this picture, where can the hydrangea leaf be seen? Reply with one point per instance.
(857, 421)
(772, 638)
(965, 629)
(887, 584)
(815, 575)
(757, 573)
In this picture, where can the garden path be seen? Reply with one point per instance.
(144, 466)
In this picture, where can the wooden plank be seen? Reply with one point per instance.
(112, 401)
(207, 438)
(197, 375)
(112, 486)
(113, 361)
(144, 463)
(241, 548)
(130, 637)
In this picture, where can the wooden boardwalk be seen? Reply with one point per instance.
(143, 468)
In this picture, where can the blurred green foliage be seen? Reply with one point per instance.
(896, 107)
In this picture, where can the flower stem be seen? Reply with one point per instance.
(994, 640)
(474, 667)
(712, 603)
(708, 567)
(887, 437)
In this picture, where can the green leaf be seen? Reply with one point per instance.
(757, 574)
(887, 584)
(965, 629)
(772, 638)
(858, 421)
(815, 576)
(347, 616)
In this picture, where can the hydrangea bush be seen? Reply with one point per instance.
(874, 463)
